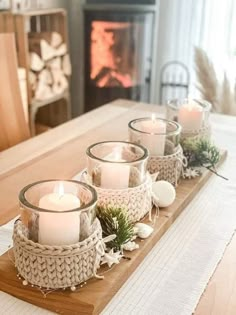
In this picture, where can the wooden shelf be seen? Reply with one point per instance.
(50, 100)
(43, 12)
(38, 21)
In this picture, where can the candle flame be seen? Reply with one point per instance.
(117, 153)
(60, 189)
(153, 117)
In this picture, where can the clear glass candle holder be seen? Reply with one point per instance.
(116, 164)
(58, 212)
(190, 114)
(160, 136)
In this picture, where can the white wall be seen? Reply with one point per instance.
(184, 24)
(179, 32)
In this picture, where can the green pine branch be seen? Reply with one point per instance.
(201, 153)
(115, 221)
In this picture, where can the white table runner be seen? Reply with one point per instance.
(173, 276)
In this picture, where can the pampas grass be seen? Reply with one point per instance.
(226, 98)
(207, 79)
(221, 97)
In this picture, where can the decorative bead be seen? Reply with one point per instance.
(73, 288)
(25, 282)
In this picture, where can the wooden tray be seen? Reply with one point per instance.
(94, 296)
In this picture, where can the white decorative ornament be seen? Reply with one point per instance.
(130, 246)
(191, 173)
(144, 230)
(111, 258)
(163, 193)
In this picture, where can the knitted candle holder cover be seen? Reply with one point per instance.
(169, 166)
(55, 267)
(204, 132)
(137, 201)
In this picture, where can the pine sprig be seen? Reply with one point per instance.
(201, 153)
(115, 221)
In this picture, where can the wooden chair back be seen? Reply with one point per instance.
(13, 126)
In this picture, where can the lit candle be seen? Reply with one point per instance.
(190, 116)
(154, 139)
(115, 175)
(59, 228)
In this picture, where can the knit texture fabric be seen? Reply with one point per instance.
(56, 266)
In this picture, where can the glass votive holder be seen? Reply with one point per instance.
(190, 114)
(116, 164)
(160, 136)
(58, 212)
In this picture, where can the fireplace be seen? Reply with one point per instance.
(118, 53)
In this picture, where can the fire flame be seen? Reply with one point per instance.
(105, 56)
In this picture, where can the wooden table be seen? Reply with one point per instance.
(60, 153)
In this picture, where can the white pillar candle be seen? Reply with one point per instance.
(155, 140)
(59, 228)
(190, 116)
(115, 175)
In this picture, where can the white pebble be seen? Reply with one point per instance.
(144, 230)
(130, 246)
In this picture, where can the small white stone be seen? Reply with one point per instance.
(25, 282)
(130, 246)
(73, 288)
(144, 230)
(163, 193)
